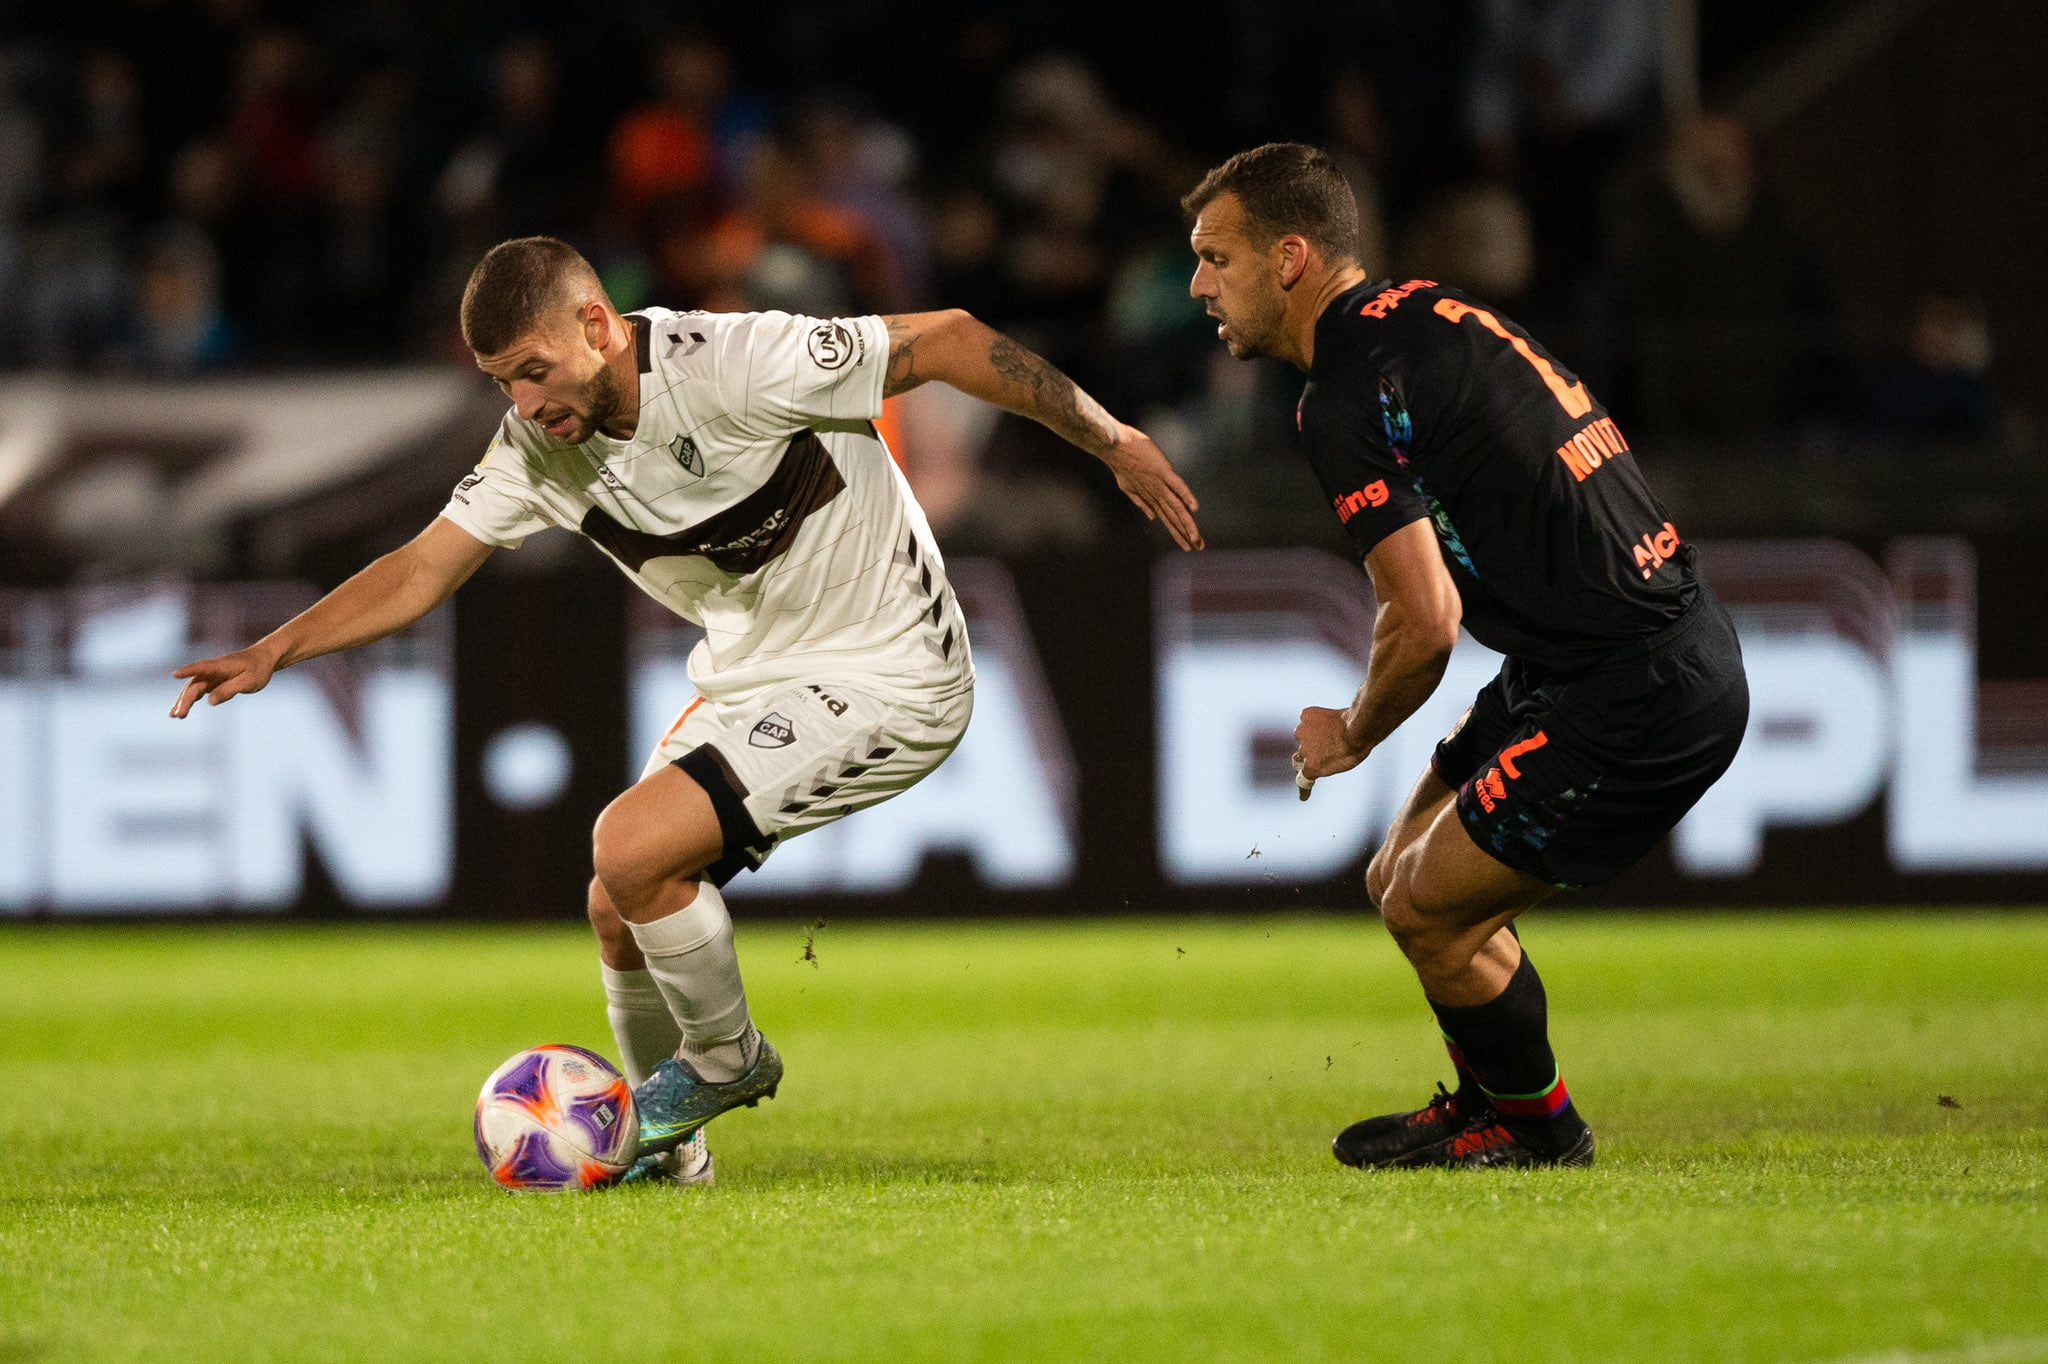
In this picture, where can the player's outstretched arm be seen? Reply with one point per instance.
(383, 599)
(1412, 639)
(954, 348)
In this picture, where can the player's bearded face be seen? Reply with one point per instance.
(1248, 317)
(558, 380)
(1235, 282)
(585, 396)
(602, 400)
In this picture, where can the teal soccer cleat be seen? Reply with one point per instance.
(674, 1101)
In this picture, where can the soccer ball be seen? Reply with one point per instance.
(556, 1119)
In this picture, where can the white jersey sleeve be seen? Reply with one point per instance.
(498, 502)
(779, 373)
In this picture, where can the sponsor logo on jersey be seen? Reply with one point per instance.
(1656, 548)
(1591, 448)
(610, 479)
(776, 521)
(773, 730)
(1389, 299)
(1373, 494)
(832, 703)
(683, 345)
(831, 345)
(467, 483)
(687, 454)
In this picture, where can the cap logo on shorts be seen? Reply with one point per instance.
(773, 730)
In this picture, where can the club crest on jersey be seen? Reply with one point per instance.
(687, 454)
(773, 730)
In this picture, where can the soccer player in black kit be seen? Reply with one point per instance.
(1483, 485)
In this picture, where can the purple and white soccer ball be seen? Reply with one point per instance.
(556, 1119)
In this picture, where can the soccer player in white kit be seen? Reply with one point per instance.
(730, 465)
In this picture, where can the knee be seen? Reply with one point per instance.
(1406, 921)
(629, 857)
(1395, 890)
(1419, 927)
(1379, 874)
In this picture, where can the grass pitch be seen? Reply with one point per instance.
(1822, 1138)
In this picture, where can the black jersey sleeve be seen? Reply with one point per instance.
(1354, 461)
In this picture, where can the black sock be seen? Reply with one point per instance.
(1505, 1045)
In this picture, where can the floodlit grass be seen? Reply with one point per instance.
(1035, 1142)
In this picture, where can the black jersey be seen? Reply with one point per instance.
(1424, 403)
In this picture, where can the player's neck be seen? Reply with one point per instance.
(1306, 305)
(624, 363)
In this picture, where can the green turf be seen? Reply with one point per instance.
(1035, 1142)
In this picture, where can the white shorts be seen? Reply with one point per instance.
(804, 755)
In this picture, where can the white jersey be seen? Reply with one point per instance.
(755, 499)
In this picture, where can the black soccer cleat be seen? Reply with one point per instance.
(1377, 1143)
(1487, 1143)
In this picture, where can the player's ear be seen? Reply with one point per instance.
(597, 325)
(1294, 257)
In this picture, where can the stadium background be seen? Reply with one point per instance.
(1793, 246)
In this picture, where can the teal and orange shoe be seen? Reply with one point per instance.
(674, 1101)
(687, 1164)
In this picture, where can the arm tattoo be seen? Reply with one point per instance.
(1054, 399)
(902, 374)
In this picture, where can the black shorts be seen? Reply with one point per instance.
(1573, 778)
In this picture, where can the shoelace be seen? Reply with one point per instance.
(1443, 1107)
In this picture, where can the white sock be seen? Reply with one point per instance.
(646, 1031)
(690, 955)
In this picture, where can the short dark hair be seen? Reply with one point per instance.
(515, 286)
(1286, 187)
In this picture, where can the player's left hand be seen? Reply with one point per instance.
(1149, 481)
(1322, 746)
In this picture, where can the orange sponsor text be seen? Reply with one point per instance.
(1373, 494)
(1655, 548)
(1389, 299)
(1591, 448)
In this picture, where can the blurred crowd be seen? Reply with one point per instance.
(196, 186)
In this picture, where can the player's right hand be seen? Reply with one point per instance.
(218, 679)
(1323, 747)
(1145, 476)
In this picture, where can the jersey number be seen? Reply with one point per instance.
(1573, 398)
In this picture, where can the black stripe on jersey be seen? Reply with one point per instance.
(643, 340)
(745, 536)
